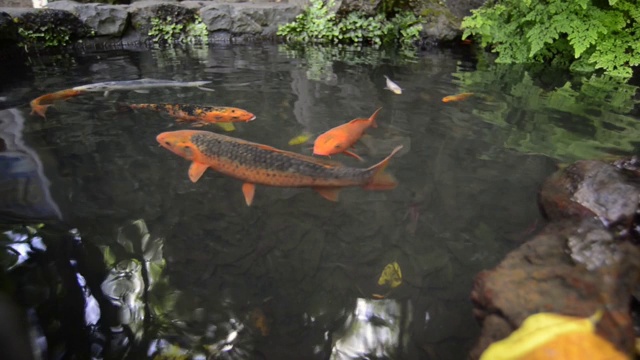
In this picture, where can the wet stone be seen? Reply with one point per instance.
(573, 267)
(591, 188)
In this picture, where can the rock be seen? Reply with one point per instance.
(592, 188)
(105, 20)
(368, 7)
(262, 19)
(48, 27)
(550, 273)
(247, 18)
(217, 17)
(439, 24)
(8, 28)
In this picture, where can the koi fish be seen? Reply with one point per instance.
(255, 163)
(200, 114)
(341, 138)
(392, 86)
(139, 84)
(458, 97)
(40, 104)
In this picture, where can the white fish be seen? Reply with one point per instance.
(139, 85)
(393, 86)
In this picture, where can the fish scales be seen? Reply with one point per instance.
(273, 168)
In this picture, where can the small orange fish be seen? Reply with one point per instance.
(200, 114)
(40, 104)
(458, 97)
(341, 138)
(255, 163)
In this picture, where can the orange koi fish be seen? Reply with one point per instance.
(255, 163)
(341, 138)
(200, 114)
(458, 97)
(40, 104)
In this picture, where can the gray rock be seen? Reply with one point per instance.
(262, 19)
(439, 24)
(105, 20)
(248, 18)
(366, 6)
(217, 17)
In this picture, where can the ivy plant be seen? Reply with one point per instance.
(47, 35)
(166, 29)
(318, 24)
(585, 35)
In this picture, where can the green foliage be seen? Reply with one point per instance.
(318, 24)
(166, 29)
(584, 35)
(48, 35)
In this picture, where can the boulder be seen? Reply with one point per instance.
(439, 24)
(8, 28)
(591, 188)
(144, 11)
(48, 27)
(555, 272)
(247, 18)
(105, 20)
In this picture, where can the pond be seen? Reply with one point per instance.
(112, 252)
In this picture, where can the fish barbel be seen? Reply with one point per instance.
(255, 163)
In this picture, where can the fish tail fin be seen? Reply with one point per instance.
(372, 118)
(39, 109)
(380, 180)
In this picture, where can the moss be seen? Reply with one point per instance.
(50, 28)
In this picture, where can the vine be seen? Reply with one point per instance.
(584, 35)
(318, 24)
(166, 29)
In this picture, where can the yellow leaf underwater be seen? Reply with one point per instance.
(226, 126)
(300, 139)
(576, 346)
(538, 335)
(391, 275)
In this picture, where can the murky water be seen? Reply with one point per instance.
(144, 263)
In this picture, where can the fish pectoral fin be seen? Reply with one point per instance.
(248, 189)
(196, 170)
(329, 193)
(352, 154)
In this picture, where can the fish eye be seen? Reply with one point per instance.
(167, 143)
(337, 146)
(233, 110)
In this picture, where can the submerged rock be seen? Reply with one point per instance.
(573, 267)
(591, 188)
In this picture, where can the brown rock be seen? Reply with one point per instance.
(544, 275)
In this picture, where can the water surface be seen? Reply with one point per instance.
(150, 263)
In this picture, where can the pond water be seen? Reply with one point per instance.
(113, 253)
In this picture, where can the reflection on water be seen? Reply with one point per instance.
(147, 264)
(377, 329)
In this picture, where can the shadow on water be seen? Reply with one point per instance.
(111, 252)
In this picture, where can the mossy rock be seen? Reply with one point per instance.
(49, 28)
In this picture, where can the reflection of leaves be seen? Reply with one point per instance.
(581, 118)
(391, 275)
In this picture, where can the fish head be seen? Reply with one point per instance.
(178, 142)
(243, 115)
(328, 144)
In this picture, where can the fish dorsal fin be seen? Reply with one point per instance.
(329, 193)
(326, 163)
(196, 170)
(248, 189)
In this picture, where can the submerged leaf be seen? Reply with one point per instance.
(300, 139)
(391, 275)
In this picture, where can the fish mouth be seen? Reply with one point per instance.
(251, 118)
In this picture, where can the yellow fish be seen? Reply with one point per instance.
(393, 86)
